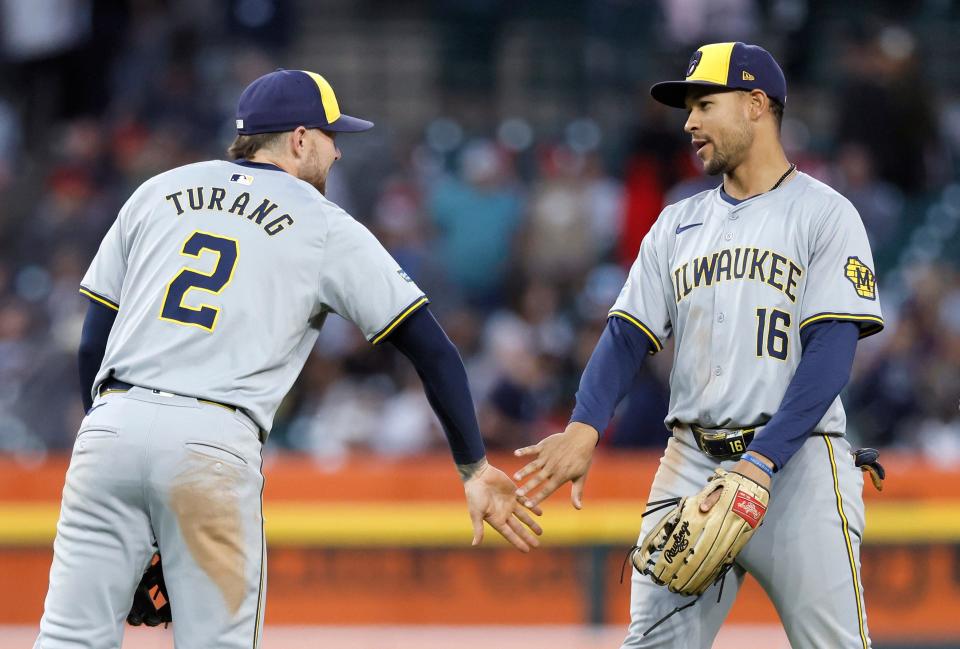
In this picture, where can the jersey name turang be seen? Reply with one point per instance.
(262, 211)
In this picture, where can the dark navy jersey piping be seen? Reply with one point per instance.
(730, 199)
(737, 201)
(257, 165)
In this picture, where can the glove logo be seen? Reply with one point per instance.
(749, 509)
(681, 540)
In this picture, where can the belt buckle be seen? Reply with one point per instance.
(723, 444)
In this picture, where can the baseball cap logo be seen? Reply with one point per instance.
(748, 77)
(694, 62)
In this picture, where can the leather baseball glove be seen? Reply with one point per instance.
(151, 605)
(690, 549)
(868, 461)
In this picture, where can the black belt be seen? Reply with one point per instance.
(116, 385)
(723, 443)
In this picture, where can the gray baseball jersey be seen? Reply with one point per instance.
(224, 274)
(735, 286)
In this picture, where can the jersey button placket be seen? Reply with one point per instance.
(719, 337)
(733, 215)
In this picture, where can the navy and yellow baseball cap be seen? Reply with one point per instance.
(285, 99)
(737, 66)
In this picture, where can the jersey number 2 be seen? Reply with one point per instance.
(775, 341)
(205, 316)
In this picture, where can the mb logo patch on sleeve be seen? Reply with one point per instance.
(862, 278)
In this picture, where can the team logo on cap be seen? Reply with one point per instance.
(694, 62)
(862, 278)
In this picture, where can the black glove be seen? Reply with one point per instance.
(151, 605)
(866, 459)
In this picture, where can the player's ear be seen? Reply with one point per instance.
(757, 102)
(298, 141)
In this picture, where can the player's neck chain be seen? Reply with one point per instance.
(789, 171)
(783, 177)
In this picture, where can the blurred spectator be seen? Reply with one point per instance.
(16, 350)
(604, 198)
(879, 203)
(267, 22)
(339, 412)
(558, 240)
(407, 424)
(691, 22)
(401, 225)
(74, 208)
(39, 38)
(886, 106)
(908, 392)
(476, 215)
(658, 159)
(512, 406)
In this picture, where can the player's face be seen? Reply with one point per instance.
(320, 152)
(720, 131)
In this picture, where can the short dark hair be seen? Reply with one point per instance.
(246, 146)
(777, 109)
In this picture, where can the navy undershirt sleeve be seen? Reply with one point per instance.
(828, 351)
(437, 361)
(93, 345)
(610, 372)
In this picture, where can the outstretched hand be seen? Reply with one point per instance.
(564, 457)
(491, 496)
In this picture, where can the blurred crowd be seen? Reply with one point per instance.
(520, 235)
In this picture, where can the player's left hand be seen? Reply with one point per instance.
(753, 472)
(747, 469)
(491, 496)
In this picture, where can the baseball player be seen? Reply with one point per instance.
(206, 297)
(766, 283)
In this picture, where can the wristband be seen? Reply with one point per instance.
(757, 463)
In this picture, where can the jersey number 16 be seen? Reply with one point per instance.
(771, 333)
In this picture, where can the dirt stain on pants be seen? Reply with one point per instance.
(206, 502)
